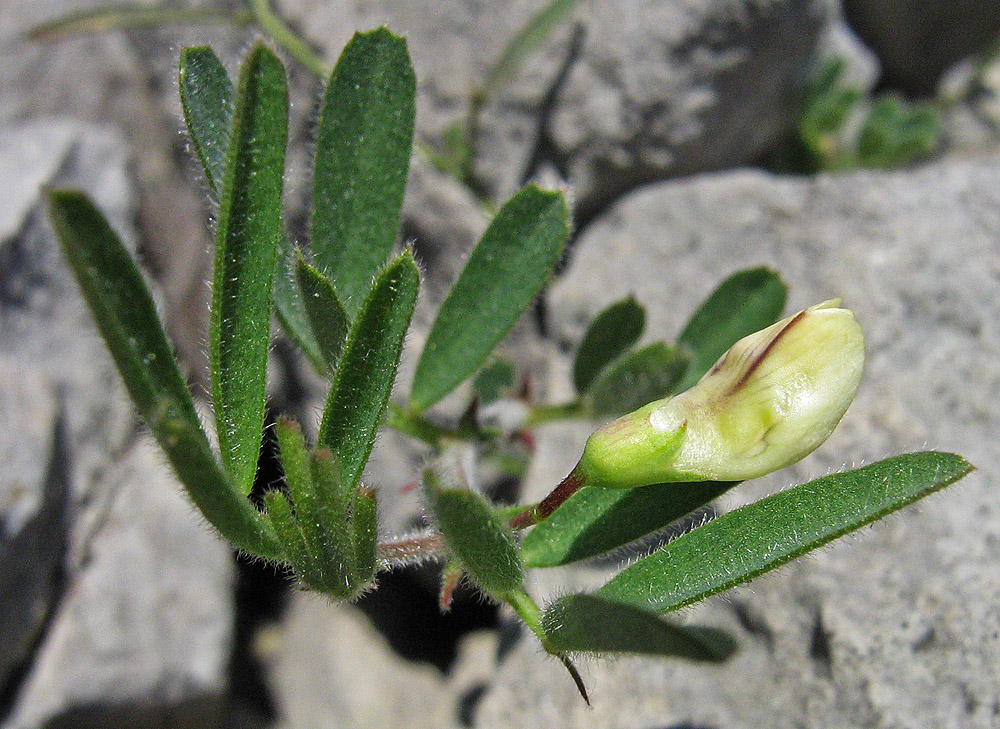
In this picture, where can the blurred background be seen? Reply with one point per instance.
(853, 146)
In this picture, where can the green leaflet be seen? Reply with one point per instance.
(327, 318)
(505, 272)
(738, 546)
(608, 336)
(744, 303)
(363, 382)
(587, 623)
(127, 319)
(636, 379)
(249, 230)
(597, 520)
(477, 537)
(363, 147)
(207, 99)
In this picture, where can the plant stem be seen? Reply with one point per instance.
(288, 39)
(411, 550)
(416, 426)
(561, 411)
(534, 514)
(125, 15)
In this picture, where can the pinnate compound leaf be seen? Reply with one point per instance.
(636, 379)
(478, 538)
(363, 381)
(596, 520)
(327, 317)
(363, 150)
(505, 271)
(587, 623)
(608, 336)
(207, 100)
(249, 230)
(127, 319)
(744, 303)
(740, 545)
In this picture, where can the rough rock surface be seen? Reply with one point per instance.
(123, 597)
(896, 627)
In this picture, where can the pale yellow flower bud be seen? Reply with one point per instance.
(771, 400)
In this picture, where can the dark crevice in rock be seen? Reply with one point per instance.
(192, 713)
(261, 597)
(469, 702)
(753, 623)
(819, 646)
(404, 609)
(50, 525)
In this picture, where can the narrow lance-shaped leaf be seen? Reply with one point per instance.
(597, 520)
(744, 303)
(608, 336)
(738, 546)
(587, 623)
(127, 319)
(207, 100)
(327, 318)
(206, 97)
(363, 381)
(507, 269)
(363, 147)
(635, 379)
(478, 538)
(249, 230)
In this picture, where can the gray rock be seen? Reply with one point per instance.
(896, 626)
(667, 89)
(917, 42)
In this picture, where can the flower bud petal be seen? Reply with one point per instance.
(771, 400)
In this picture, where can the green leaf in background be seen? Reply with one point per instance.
(363, 381)
(249, 230)
(483, 543)
(363, 150)
(896, 133)
(505, 272)
(127, 319)
(587, 623)
(207, 99)
(493, 379)
(740, 545)
(636, 379)
(596, 520)
(327, 318)
(530, 37)
(744, 303)
(608, 336)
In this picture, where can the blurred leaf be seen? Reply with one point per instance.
(587, 623)
(363, 150)
(738, 546)
(636, 379)
(505, 272)
(608, 336)
(327, 318)
(896, 133)
(126, 317)
(363, 382)
(207, 99)
(249, 229)
(531, 35)
(744, 303)
(493, 379)
(484, 544)
(596, 520)
(129, 15)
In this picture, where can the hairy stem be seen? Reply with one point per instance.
(285, 37)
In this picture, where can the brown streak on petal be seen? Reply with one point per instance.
(760, 357)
